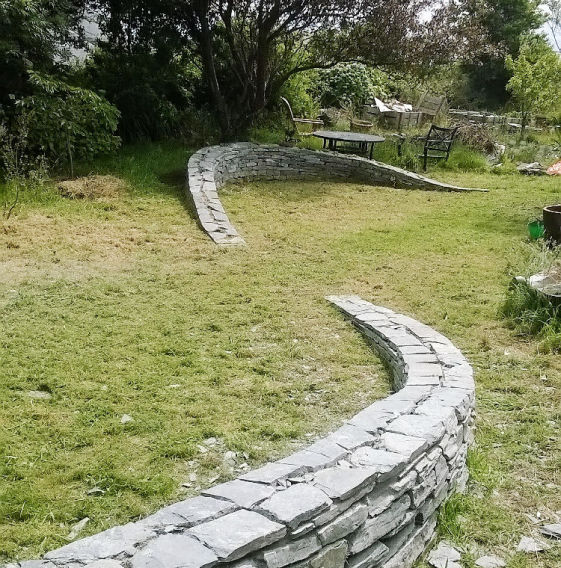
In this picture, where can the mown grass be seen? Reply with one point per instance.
(109, 306)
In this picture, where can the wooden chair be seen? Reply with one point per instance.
(430, 105)
(299, 122)
(437, 143)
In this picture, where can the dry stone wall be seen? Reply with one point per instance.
(365, 496)
(210, 168)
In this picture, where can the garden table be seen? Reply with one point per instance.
(332, 137)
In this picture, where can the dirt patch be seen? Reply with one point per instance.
(93, 187)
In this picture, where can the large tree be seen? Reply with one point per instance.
(250, 48)
(506, 23)
(34, 36)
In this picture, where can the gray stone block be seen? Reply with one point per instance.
(189, 512)
(107, 544)
(432, 429)
(385, 462)
(372, 557)
(243, 493)
(233, 536)
(408, 446)
(341, 483)
(332, 556)
(351, 437)
(291, 552)
(272, 473)
(344, 524)
(310, 461)
(377, 527)
(295, 505)
(174, 551)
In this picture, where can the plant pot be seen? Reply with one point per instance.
(552, 223)
(362, 126)
(536, 229)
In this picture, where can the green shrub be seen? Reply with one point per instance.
(350, 84)
(531, 312)
(67, 123)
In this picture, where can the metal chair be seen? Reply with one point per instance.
(437, 143)
(310, 122)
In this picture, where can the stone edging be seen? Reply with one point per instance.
(365, 496)
(212, 167)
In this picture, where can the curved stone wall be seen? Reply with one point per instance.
(210, 168)
(365, 496)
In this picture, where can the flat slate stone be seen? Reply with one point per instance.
(233, 536)
(295, 505)
(344, 524)
(174, 551)
(340, 483)
(271, 473)
(370, 557)
(243, 493)
(106, 544)
(351, 437)
(310, 461)
(552, 531)
(427, 427)
(377, 527)
(292, 552)
(333, 556)
(190, 512)
(490, 562)
(387, 463)
(410, 447)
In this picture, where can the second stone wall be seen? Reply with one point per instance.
(365, 496)
(210, 168)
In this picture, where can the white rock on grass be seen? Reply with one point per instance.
(444, 556)
(125, 419)
(552, 531)
(490, 562)
(531, 545)
(40, 395)
(78, 528)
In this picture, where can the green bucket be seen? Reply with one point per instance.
(536, 229)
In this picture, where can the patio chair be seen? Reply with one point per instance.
(437, 143)
(430, 105)
(299, 122)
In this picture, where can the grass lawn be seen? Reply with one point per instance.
(124, 306)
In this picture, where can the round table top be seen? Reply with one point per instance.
(348, 136)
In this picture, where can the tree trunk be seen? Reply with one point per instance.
(207, 56)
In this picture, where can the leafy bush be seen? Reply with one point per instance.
(68, 122)
(150, 90)
(298, 90)
(21, 170)
(351, 84)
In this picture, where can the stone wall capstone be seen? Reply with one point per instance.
(212, 167)
(365, 496)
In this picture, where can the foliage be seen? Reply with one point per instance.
(505, 22)
(34, 35)
(21, 169)
(536, 75)
(351, 84)
(299, 90)
(249, 50)
(150, 89)
(534, 315)
(68, 123)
